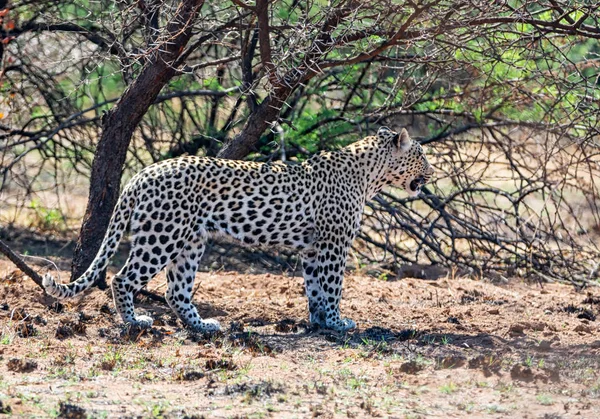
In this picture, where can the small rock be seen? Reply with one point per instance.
(545, 345)
(20, 365)
(67, 328)
(493, 311)
(57, 307)
(5, 409)
(476, 362)
(486, 341)
(221, 364)
(71, 411)
(586, 315)
(537, 326)
(105, 309)
(40, 320)
(453, 320)
(410, 367)
(83, 317)
(521, 373)
(236, 327)
(451, 362)
(189, 375)
(286, 326)
(583, 328)
(488, 364)
(159, 322)
(25, 330)
(582, 313)
(516, 329)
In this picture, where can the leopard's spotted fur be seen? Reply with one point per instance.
(314, 207)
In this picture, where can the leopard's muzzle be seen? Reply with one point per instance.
(416, 184)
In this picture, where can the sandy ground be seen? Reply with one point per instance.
(453, 347)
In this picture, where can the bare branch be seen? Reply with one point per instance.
(20, 263)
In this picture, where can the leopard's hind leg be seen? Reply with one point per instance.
(137, 272)
(181, 273)
(152, 249)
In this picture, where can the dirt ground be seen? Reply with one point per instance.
(451, 347)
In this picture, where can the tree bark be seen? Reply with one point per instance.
(3, 4)
(118, 127)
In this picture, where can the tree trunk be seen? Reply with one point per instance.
(118, 127)
(3, 4)
(243, 144)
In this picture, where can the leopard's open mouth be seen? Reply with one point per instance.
(416, 183)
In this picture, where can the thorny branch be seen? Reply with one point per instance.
(504, 94)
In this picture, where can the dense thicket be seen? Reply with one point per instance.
(504, 93)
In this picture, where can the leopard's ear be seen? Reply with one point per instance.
(402, 140)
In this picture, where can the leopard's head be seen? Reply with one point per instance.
(407, 166)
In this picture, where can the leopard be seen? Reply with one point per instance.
(313, 207)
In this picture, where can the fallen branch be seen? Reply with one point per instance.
(20, 263)
(153, 296)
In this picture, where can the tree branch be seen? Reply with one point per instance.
(20, 263)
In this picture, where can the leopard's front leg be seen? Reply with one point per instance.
(314, 291)
(324, 285)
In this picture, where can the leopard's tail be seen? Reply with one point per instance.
(116, 228)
